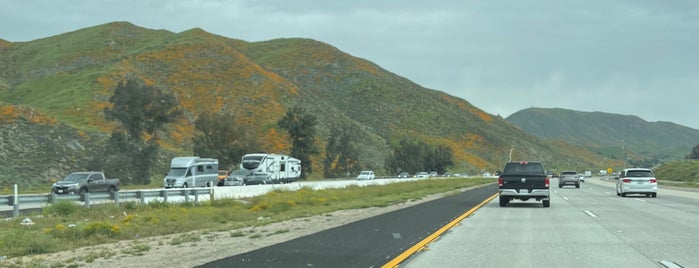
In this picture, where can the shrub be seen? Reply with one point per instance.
(101, 228)
(62, 208)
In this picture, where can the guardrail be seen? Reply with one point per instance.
(142, 196)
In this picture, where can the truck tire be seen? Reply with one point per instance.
(82, 192)
(112, 191)
(503, 201)
(577, 185)
(547, 203)
(184, 185)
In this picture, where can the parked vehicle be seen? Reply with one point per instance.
(280, 168)
(422, 175)
(192, 171)
(366, 175)
(258, 178)
(85, 182)
(569, 178)
(222, 175)
(236, 178)
(524, 180)
(637, 181)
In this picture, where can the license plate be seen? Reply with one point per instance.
(523, 191)
(60, 191)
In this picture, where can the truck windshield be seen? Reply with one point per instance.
(76, 177)
(177, 172)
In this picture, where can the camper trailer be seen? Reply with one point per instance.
(192, 171)
(280, 168)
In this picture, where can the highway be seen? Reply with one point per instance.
(586, 227)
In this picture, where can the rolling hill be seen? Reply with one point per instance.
(67, 80)
(606, 133)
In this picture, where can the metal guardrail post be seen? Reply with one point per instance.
(52, 198)
(142, 197)
(164, 194)
(196, 196)
(87, 199)
(15, 206)
(115, 197)
(186, 195)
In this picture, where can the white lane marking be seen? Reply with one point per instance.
(590, 213)
(639, 200)
(565, 198)
(670, 264)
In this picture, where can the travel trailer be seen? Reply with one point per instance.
(280, 168)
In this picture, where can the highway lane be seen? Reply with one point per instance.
(586, 227)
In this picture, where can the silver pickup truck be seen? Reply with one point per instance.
(523, 181)
(84, 182)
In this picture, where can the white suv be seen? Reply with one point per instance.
(366, 175)
(637, 181)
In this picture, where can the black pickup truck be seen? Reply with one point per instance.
(524, 180)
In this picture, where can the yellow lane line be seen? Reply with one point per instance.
(420, 245)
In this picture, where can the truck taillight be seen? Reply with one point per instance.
(653, 180)
(500, 181)
(626, 180)
(546, 181)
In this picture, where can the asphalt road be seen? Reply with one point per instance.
(586, 227)
(367, 243)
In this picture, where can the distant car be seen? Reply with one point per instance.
(366, 175)
(569, 178)
(257, 178)
(403, 175)
(637, 181)
(446, 175)
(422, 175)
(582, 177)
(236, 178)
(433, 174)
(486, 174)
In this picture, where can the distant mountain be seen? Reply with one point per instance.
(69, 78)
(605, 133)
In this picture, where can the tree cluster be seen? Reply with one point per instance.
(142, 111)
(301, 129)
(217, 136)
(413, 157)
(694, 154)
(342, 156)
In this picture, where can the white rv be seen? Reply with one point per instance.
(280, 168)
(192, 171)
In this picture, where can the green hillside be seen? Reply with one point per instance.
(606, 133)
(69, 78)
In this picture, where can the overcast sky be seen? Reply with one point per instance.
(632, 57)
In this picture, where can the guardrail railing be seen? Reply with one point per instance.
(141, 196)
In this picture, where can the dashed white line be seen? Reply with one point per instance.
(589, 213)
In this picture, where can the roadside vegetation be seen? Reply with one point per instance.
(68, 226)
(684, 173)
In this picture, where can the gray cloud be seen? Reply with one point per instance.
(626, 57)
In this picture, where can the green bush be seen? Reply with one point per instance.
(62, 208)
